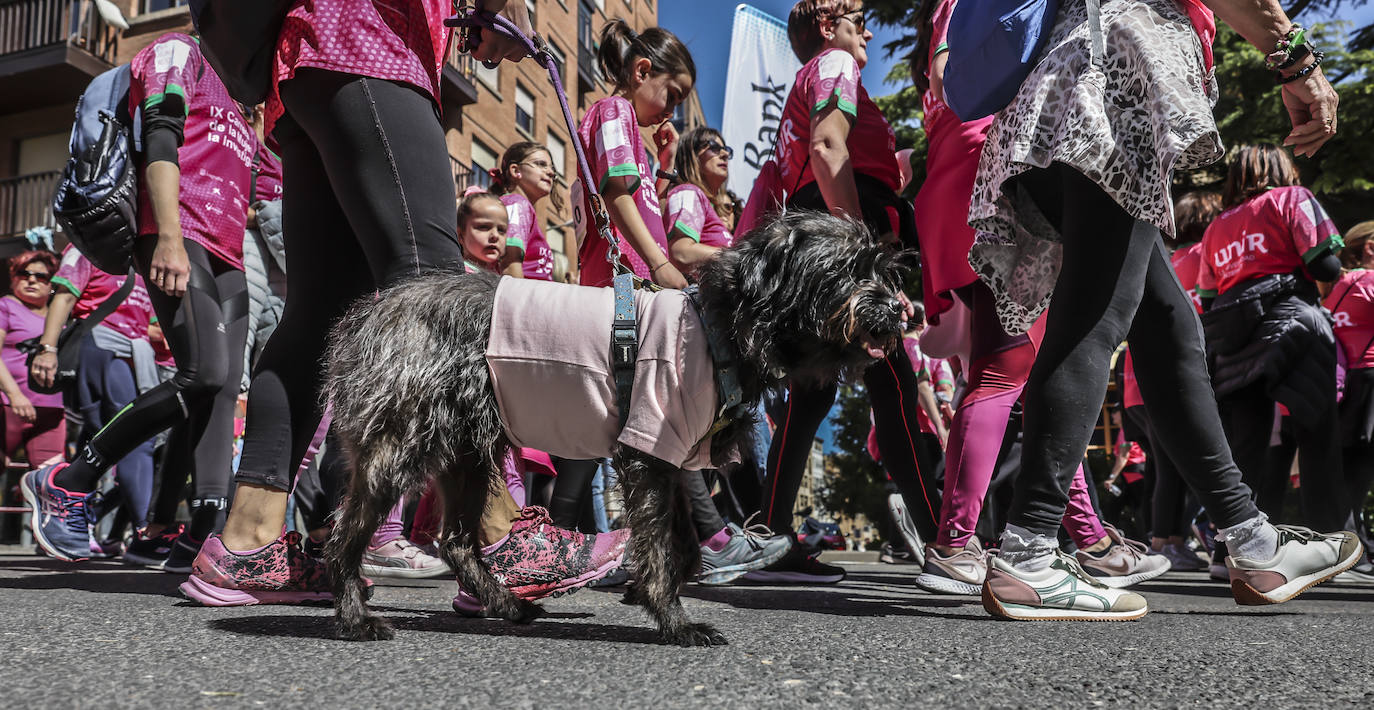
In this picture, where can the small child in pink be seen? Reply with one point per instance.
(525, 177)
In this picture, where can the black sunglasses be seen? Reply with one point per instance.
(860, 22)
(718, 148)
(41, 276)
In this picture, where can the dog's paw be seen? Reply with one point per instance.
(371, 628)
(522, 612)
(696, 635)
(631, 597)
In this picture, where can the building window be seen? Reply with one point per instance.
(560, 60)
(483, 159)
(490, 77)
(558, 154)
(156, 5)
(524, 109)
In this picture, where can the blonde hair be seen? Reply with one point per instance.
(1352, 257)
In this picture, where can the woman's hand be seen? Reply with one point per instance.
(665, 139)
(23, 407)
(171, 269)
(1311, 104)
(495, 47)
(667, 276)
(44, 368)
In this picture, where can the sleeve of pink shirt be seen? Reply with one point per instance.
(837, 79)
(1206, 280)
(520, 216)
(168, 73)
(74, 272)
(613, 125)
(685, 213)
(1314, 234)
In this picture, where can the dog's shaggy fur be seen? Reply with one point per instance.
(806, 296)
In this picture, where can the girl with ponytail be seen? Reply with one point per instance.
(525, 177)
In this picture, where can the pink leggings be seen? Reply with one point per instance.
(1001, 365)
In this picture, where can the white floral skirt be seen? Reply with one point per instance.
(1127, 126)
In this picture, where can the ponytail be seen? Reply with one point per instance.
(621, 46)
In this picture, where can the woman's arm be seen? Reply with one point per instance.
(687, 254)
(513, 262)
(1310, 101)
(571, 250)
(830, 162)
(18, 401)
(45, 364)
(925, 394)
(624, 213)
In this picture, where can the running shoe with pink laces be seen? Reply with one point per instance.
(278, 573)
(401, 559)
(1125, 563)
(538, 559)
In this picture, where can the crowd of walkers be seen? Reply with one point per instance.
(1044, 236)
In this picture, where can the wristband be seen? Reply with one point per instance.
(48, 348)
(656, 268)
(1299, 53)
(1317, 58)
(1295, 36)
(669, 175)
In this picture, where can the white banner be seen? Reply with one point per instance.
(761, 70)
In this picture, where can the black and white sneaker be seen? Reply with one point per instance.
(798, 566)
(183, 553)
(152, 551)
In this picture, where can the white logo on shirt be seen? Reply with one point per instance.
(837, 64)
(611, 136)
(1240, 248)
(171, 54)
(1343, 320)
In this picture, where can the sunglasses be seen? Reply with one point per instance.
(36, 275)
(715, 147)
(860, 22)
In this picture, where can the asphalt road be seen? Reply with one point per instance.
(107, 635)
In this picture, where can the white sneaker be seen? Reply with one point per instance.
(1304, 558)
(1125, 563)
(962, 572)
(401, 559)
(1062, 591)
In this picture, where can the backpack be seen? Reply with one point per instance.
(994, 45)
(97, 198)
(239, 39)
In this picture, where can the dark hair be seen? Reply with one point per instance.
(621, 46)
(468, 204)
(20, 262)
(736, 208)
(919, 58)
(1352, 257)
(804, 24)
(501, 181)
(1192, 213)
(691, 143)
(1255, 169)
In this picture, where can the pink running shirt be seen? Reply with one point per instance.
(91, 286)
(1186, 261)
(1272, 233)
(610, 136)
(216, 156)
(268, 185)
(397, 40)
(690, 212)
(524, 233)
(550, 360)
(20, 324)
(833, 77)
(1352, 303)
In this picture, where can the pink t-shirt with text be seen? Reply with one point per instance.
(216, 157)
(268, 185)
(690, 212)
(1186, 262)
(1352, 304)
(610, 135)
(833, 77)
(91, 286)
(524, 233)
(1275, 232)
(20, 324)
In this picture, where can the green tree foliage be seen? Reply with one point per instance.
(856, 484)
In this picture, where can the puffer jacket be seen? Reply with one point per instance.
(1272, 330)
(264, 267)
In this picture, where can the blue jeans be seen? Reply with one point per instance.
(104, 386)
(602, 480)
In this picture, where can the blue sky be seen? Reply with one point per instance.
(704, 25)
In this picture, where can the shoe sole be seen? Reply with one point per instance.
(564, 588)
(726, 575)
(937, 584)
(1246, 595)
(1017, 612)
(135, 560)
(766, 577)
(36, 525)
(906, 527)
(198, 590)
(405, 572)
(1124, 581)
(169, 569)
(480, 612)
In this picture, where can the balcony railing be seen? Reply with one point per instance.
(31, 24)
(26, 201)
(459, 72)
(462, 175)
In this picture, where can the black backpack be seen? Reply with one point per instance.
(97, 199)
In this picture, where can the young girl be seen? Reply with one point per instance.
(652, 73)
(482, 225)
(693, 221)
(525, 177)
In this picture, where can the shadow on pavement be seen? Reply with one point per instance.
(98, 577)
(546, 627)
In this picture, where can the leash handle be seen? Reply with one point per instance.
(470, 23)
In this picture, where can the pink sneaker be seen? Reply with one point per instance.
(402, 559)
(280, 573)
(538, 559)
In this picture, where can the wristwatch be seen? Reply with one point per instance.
(48, 348)
(669, 175)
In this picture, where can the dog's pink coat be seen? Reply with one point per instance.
(550, 358)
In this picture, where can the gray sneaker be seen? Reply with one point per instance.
(749, 549)
(896, 505)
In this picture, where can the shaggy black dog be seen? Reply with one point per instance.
(807, 296)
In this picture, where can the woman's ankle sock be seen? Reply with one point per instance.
(1253, 539)
(1025, 550)
(717, 542)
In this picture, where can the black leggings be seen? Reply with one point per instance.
(209, 326)
(371, 200)
(1116, 282)
(570, 499)
(1168, 506)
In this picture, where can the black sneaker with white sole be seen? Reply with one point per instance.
(183, 553)
(152, 551)
(798, 566)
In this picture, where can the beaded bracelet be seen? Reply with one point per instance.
(1295, 37)
(1317, 58)
(1300, 53)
